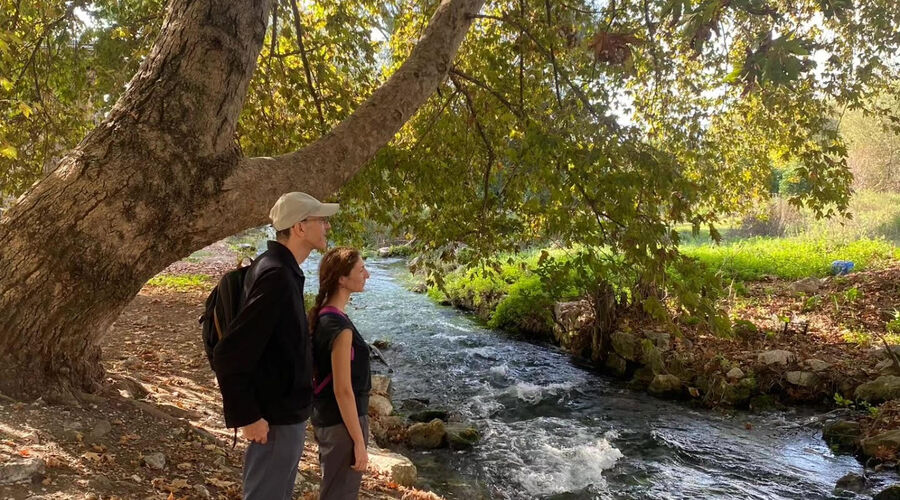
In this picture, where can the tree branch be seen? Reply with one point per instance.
(433, 120)
(519, 113)
(579, 92)
(322, 167)
(298, 31)
(484, 138)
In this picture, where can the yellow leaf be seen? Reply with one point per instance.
(9, 152)
(6, 84)
(25, 109)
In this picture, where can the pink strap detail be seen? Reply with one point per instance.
(332, 310)
(327, 379)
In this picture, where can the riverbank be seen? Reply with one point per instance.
(814, 341)
(156, 430)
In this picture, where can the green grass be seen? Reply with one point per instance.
(182, 282)
(790, 258)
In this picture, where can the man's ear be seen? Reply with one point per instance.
(297, 229)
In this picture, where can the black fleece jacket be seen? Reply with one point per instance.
(264, 360)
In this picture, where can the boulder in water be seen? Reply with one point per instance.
(879, 390)
(851, 482)
(892, 492)
(665, 385)
(429, 415)
(461, 436)
(884, 446)
(842, 435)
(382, 343)
(427, 436)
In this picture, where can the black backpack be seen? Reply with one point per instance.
(222, 306)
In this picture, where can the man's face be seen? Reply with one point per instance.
(314, 231)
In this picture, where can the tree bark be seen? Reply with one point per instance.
(162, 176)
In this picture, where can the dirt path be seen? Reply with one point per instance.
(156, 429)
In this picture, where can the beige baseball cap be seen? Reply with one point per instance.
(294, 207)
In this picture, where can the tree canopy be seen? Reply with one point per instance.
(601, 123)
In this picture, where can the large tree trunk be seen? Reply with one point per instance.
(162, 176)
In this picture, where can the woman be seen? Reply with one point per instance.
(343, 379)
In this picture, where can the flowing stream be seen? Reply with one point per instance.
(551, 429)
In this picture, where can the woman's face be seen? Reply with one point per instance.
(356, 280)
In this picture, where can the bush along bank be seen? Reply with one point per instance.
(811, 341)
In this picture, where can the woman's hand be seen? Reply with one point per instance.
(361, 455)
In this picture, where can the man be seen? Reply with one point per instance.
(264, 362)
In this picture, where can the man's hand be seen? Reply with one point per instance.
(257, 431)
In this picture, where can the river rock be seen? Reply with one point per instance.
(817, 365)
(879, 390)
(665, 385)
(842, 435)
(381, 384)
(738, 394)
(384, 252)
(154, 460)
(426, 436)
(616, 364)
(851, 482)
(428, 415)
(735, 374)
(17, 470)
(652, 358)
(382, 343)
(461, 436)
(625, 345)
(662, 340)
(386, 430)
(801, 379)
(380, 406)
(397, 468)
(884, 445)
(892, 492)
(776, 356)
(809, 286)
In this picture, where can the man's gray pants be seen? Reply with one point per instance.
(270, 469)
(339, 481)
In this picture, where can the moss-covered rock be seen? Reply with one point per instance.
(461, 436)
(652, 358)
(842, 436)
(879, 390)
(884, 446)
(427, 436)
(665, 385)
(626, 345)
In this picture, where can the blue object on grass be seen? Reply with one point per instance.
(841, 267)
